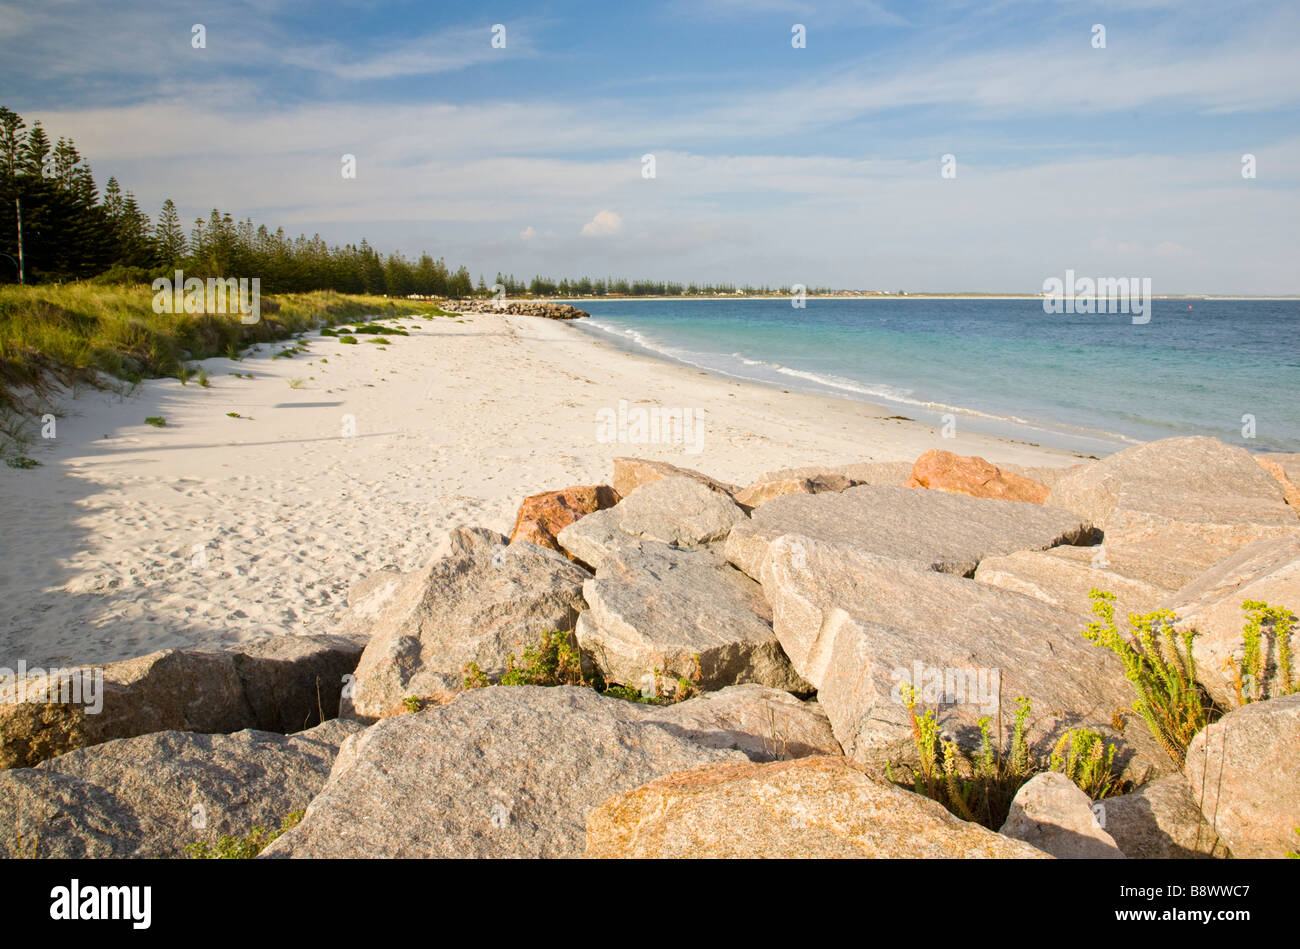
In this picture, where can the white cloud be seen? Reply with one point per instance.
(603, 224)
(527, 233)
(441, 51)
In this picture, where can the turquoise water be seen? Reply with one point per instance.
(1087, 382)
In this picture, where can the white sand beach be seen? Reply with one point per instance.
(215, 529)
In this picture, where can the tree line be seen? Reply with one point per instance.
(621, 286)
(71, 232)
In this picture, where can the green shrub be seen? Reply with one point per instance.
(21, 461)
(157, 421)
(1252, 680)
(629, 694)
(1083, 757)
(1162, 667)
(981, 788)
(348, 340)
(1158, 661)
(555, 660)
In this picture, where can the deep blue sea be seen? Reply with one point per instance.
(1092, 383)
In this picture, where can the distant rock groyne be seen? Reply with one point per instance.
(551, 311)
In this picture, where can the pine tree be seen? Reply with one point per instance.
(36, 151)
(12, 144)
(168, 236)
(113, 199)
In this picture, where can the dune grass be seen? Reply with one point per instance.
(81, 332)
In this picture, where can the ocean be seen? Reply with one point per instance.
(1086, 382)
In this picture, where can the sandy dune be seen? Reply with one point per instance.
(214, 529)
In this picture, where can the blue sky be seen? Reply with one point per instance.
(773, 164)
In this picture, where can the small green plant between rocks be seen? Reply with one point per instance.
(981, 788)
(1159, 662)
(557, 660)
(250, 845)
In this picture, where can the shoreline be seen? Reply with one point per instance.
(1002, 428)
(216, 529)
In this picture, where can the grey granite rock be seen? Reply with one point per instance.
(151, 795)
(1245, 774)
(498, 772)
(480, 603)
(658, 613)
(950, 533)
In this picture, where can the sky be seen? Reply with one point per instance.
(822, 165)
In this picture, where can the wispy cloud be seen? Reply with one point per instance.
(437, 52)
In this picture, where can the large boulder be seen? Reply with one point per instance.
(480, 603)
(42, 716)
(1195, 498)
(863, 628)
(1267, 570)
(658, 613)
(857, 472)
(542, 516)
(678, 511)
(1150, 561)
(1159, 821)
(760, 492)
(673, 510)
(378, 600)
(631, 473)
(1064, 576)
(973, 476)
(592, 539)
(273, 683)
(151, 795)
(766, 724)
(499, 772)
(1244, 772)
(814, 807)
(1051, 813)
(934, 530)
